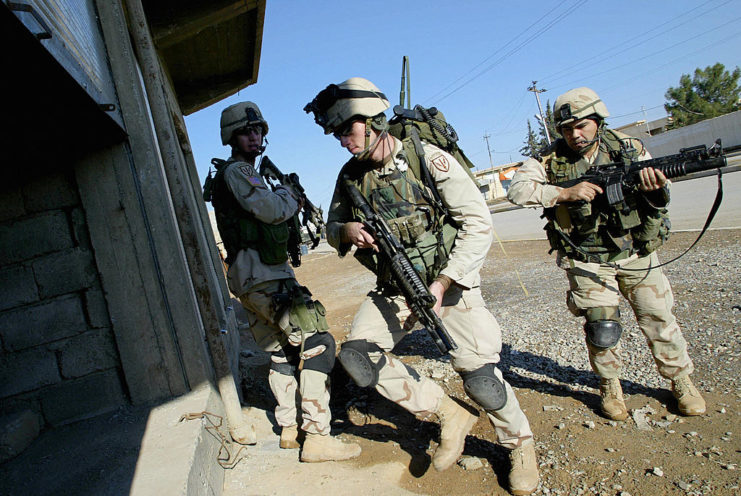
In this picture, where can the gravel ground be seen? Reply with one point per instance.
(544, 357)
(545, 341)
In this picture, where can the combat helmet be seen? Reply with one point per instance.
(338, 103)
(238, 116)
(576, 104)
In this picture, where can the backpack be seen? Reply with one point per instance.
(417, 125)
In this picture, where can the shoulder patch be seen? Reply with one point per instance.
(251, 175)
(254, 181)
(440, 162)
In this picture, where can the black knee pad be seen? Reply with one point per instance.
(603, 334)
(283, 364)
(324, 361)
(485, 388)
(354, 357)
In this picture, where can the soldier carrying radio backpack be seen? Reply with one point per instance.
(436, 215)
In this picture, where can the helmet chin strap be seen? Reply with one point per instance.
(586, 149)
(369, 147)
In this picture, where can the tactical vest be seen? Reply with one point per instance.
(240, 229)
(607, 234)
(404, 202)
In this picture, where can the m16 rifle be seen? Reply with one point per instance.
(612, 178)
(310, 214)
(407, 280)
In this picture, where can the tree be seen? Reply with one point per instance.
(534, 143)
(531, 144)
(551, 126)
(711, 92)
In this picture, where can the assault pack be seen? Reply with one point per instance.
(416, 125)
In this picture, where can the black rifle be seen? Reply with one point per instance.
(412, 287)
(310, 214)
(613, 177)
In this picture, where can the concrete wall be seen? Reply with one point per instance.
(97, 301)
(726, 127)
(58, 355)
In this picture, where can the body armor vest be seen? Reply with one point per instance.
(403, 201)
(607, 233)
(240, 229)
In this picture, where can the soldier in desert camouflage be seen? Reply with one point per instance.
(606, 252)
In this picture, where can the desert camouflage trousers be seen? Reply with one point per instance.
(649, 294)
(312, 386)
(380, 320)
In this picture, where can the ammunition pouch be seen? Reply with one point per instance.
(297, 314)
(272, 245)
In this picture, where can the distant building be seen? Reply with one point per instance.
(642, 128)
(494, 181)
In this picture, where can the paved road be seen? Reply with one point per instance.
(690, 205)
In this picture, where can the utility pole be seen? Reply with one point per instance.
(486, 138)
(645, 119)
(535, 90)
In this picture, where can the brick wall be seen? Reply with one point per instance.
(58, 356)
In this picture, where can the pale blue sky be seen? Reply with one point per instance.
(474, 60)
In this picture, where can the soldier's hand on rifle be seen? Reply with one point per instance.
(355, 233)
(652, 179)
(438, 291)
(584, 191)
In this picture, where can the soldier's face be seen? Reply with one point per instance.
(352, 137)
(248, 140)
(579, 134)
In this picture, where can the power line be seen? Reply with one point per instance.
(633, 61)
(683, 56)
(637, 112)
(602, 55)
(558, 4)
(536, 35)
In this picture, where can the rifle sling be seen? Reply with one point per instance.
(711, 215)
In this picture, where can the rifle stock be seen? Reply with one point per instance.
(412, 287)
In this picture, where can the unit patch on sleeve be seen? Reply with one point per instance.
(441, 163)
(251, 175)
(254, 181)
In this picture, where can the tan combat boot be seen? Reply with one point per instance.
(689, 400)
(455, 424)
(289, 437)
(612, 404)
(319, 448)
(523, 474)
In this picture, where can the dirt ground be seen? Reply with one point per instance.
(580, 452)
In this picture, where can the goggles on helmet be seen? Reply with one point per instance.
(329, 96)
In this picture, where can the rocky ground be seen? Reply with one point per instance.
(580, 452)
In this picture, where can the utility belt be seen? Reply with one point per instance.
(604, 237)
